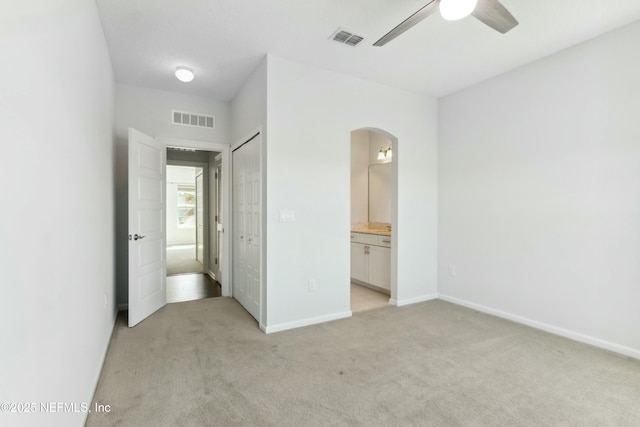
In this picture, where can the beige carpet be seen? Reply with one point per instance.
(181, 259)
(206, 363)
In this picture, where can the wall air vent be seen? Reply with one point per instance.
(345, 37)
(193, 119)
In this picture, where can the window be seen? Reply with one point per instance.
(186, 206)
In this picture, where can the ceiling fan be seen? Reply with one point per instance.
(490, 12)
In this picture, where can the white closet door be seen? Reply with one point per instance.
(252, 206)
(246, 226)
(239, 249)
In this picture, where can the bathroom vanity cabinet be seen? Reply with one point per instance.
(371, 260)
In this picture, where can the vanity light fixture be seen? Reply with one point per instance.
(184, 74)
(385, 154)
(452, 10)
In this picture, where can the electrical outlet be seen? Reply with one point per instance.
(313, 285)
(452, 270)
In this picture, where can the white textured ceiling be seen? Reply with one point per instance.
(224, 40)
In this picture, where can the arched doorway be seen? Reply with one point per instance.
(374, 208)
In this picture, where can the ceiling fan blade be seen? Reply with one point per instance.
(495, 15)
(427, 10)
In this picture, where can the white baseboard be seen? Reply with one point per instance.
(304, 322)
(414, 300)
(596, 342)
(102, 360)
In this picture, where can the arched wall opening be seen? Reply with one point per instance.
(366, 264)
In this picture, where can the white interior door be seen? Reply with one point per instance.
(246, 226)
(147, 268)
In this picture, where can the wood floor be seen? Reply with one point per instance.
(189, 287)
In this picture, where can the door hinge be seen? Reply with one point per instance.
(216, 218)
(216, 175)
(216, 261)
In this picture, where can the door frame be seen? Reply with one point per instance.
(219, 212)
(202, 218)
(225, 152)
(395, 164)
(205, 172)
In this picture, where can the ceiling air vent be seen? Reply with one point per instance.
(343, 36)
(193, 119)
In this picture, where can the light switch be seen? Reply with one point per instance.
(287, 216)
(313, 285)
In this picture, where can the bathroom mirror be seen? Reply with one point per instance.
(380, 193)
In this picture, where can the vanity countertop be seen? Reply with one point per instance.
(372, 228)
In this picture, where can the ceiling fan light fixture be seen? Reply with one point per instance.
(184, 74)
(453, 10)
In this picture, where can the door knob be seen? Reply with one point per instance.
(138, 236)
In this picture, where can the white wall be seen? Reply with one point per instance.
(57, 221)
(149, 111)
(360, 176)
(249, 106)
(539, 182)
(380, 192)
(311, 114)
(365, 146)
(249, 115)
(380, 180)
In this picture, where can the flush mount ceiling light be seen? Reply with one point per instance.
(452, 10)
(184, 74)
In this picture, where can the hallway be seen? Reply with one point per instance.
(189, 287)
(181, 259)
